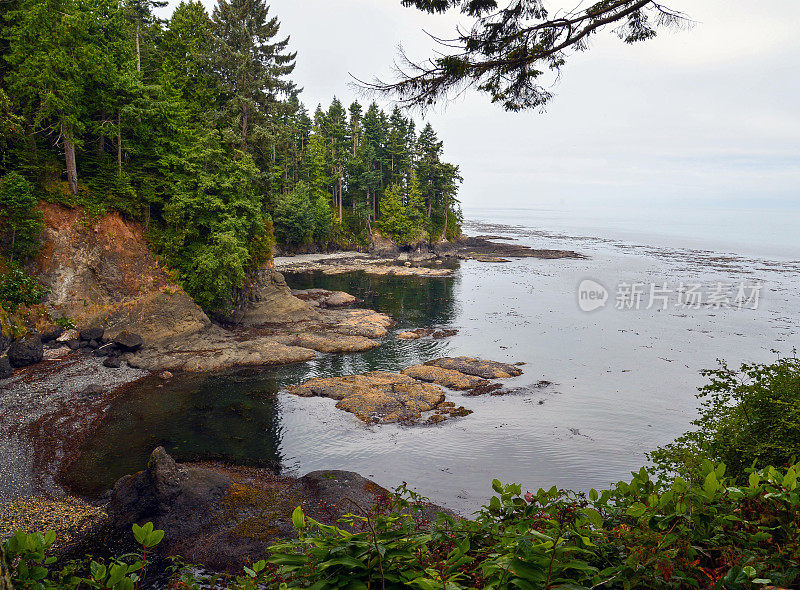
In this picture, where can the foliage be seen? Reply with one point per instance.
(211, 220)
(748, 417)
(32, 568)
(509, 47)
(293, 216)
(21, 223)
(194, 127)
(19, 287)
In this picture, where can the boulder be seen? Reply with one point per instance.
(89, 334)
(225, 517)
(339, 299)
(25, 351)
(112, 362)
(67, 335)
(378, 396)
(477, 367)
(51, 332)
(177, 499)
(128, 342)
(444, 377)
(74, 344)
(267, 299)
(92, 390)
(6, 370)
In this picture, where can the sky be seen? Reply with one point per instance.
(706, 116)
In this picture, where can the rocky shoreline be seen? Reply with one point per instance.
(56, 384)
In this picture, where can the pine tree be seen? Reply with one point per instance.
(252, 65)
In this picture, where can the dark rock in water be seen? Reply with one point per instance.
(91, 334)
(93, 344)
(51, 333)
(109, 349)
(179, 500)
(4, 342)
(93, 389)
(25, 351)
(112, 362)
(74, 344)
(6, 370)
(226, 517)
(127, 341)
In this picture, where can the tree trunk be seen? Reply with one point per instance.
(244, 126)
(340, 197)
(138, 51)
(119, 144)
(69, 157)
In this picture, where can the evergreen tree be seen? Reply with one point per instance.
(252, 65)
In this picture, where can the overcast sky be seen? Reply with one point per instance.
(711, 114)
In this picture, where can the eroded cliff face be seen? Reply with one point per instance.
(104, 274)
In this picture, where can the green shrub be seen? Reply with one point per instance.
(21, 222)
(748, 417)
(18, 287)
(294, 219)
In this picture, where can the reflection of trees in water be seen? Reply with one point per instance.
(411, 301)
(231, 418)
(235, 417)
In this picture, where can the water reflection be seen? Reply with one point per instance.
(236, 417)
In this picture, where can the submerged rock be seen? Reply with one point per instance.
(445, 377)
(477, 367)
(25, 351)
(408, 335)
(378, 396)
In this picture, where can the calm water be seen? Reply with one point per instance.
(623, 380)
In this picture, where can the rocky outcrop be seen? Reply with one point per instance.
(225, 517)
(217, 349)
(267, 299)
(444, 377)
(324, 298)
(477, 367)
(176, 498)
(334, 343)
(103, 274)
(378, 396)
(410, 396)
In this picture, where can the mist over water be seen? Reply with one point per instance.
(623, 380)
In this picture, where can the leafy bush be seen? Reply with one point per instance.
(32, 569)
(748, 417)
(21, 222)
(293, 216)
(638, 534)
(18, 287)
